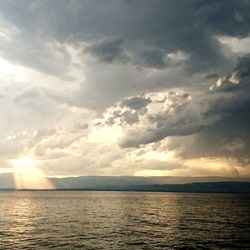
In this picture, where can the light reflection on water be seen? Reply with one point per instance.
(123, 220)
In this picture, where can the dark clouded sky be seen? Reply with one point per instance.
(125, 87)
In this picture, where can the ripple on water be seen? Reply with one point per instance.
(123, 220)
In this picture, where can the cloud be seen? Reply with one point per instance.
(213, 124)
(47, 56)
(229, 137)
(179, 114)
(90, 87)
(136, 102)
(161, 26)
(154, 58)
(107, 50)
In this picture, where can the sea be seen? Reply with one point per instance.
(123, 220)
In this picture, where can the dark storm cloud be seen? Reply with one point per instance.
(136, 102)
(107, 50)
(154, 58)
(220, 120)
(163, 26)
(143, 35)
(230, 136)
(179, 116)
(243, 67)
(227, 138)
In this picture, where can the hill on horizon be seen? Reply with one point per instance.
(135, 183)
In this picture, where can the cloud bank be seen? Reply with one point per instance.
(121, 88)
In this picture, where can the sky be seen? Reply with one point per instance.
(135, 88)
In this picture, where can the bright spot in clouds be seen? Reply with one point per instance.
(7, 68)
(28, 175)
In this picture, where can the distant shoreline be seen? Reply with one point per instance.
(198, 187)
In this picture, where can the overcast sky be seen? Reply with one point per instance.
(126, 87)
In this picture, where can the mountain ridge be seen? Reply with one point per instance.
(135, 183)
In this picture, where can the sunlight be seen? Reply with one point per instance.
(28, 175)
(152, 172)
(7, 68)
(160, 156)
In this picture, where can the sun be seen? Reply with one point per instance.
(28, 175)
(23, 165)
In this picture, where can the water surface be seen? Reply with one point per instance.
(123, 220)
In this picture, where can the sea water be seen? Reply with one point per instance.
(123, 220)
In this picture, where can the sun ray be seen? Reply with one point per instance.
(28, 175)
